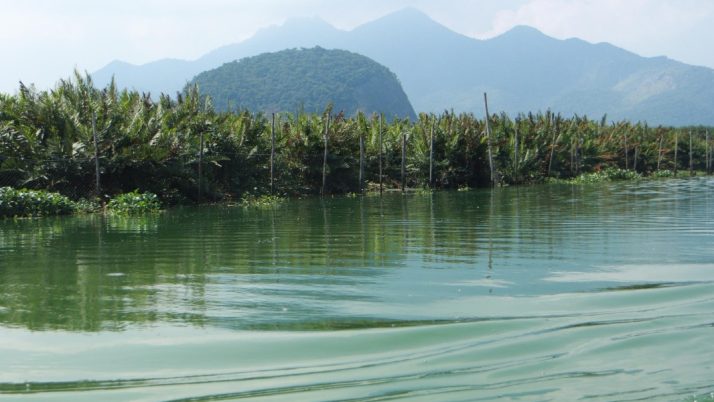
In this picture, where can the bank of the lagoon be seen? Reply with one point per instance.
(86, 142)
(548, 292)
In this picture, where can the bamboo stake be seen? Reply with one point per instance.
(272, 156)
(200, 168)
(708, 156)
(676, 150)
(659, 154)
(515, 154)
(691, 161)
(627, 160)
(552, 145)
(324, 159)
(381, 186)
(97, 187)
(488, 134)
(572, 157)
(361, 161)
(404, 158)
(431, 156)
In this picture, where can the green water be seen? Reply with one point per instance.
(540, 293)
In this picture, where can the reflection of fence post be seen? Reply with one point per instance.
(272, 156)
(97, 187)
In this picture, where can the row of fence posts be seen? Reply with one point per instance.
(708, 155)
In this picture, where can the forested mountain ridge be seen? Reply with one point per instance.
(522, 70)
(306, 79)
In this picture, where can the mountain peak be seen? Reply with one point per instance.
(522, 32)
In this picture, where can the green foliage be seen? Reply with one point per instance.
(87, 206)
(663, 174)
(23, 202)
(185, 151)
(306, 79)
(134, 203)
(609, 174)
(261, 201)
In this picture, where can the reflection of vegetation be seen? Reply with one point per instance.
(132, 223)
(239, 267)
(33, 203)
(134, 203)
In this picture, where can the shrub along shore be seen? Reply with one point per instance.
(94, 144)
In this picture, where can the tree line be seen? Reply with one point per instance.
(84, 142)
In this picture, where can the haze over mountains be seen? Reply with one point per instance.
(522, 70)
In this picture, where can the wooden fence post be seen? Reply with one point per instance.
(361, 161)
(200, 168)
(272, 157)
(627, 160)
(488, 134)
(659, 154)
(404, 157)
(380, 155)
(97, 186)
(431, 156)
(515, 152)
(676, 150)
(708, 156)
(324, 158)
(691, 161)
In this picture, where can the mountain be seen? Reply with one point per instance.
(522, 70)
(306, 78)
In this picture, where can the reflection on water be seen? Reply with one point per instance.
(544, 292)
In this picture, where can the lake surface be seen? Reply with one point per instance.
(541, 293)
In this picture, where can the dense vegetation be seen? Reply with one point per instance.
(183, 150)
(22, 202)
(306, 79)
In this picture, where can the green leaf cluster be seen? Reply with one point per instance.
(134, 203)
(23, 202)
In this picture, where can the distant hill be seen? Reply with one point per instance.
(522, 70)
(309, 79)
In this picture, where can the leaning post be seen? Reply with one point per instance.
(272, 157)
(97, 187)
(488, 134)
(324, 158)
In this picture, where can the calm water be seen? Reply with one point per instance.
(533, 294)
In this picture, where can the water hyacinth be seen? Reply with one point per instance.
(23, 202)
(134, 203)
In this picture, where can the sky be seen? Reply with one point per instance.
(43, 41)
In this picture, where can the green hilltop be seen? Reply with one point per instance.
(308, 80)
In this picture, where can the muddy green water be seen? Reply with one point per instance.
(534, 294)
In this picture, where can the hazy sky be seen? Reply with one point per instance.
(44, 40)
